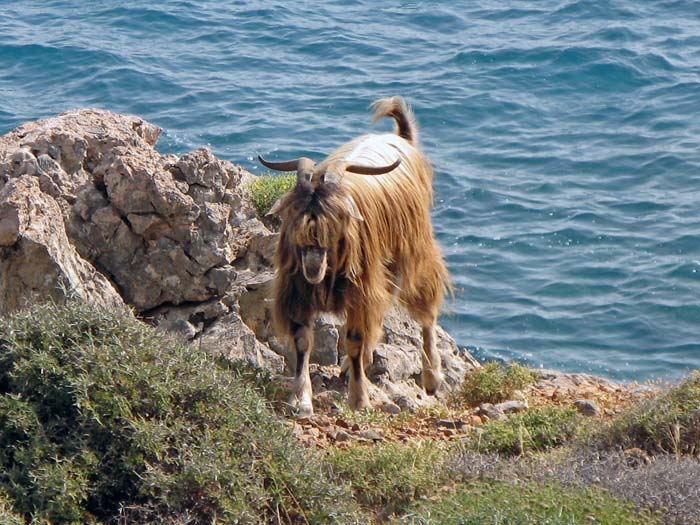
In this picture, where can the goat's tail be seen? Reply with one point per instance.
(397, 108)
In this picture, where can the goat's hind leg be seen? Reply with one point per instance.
(302, 395)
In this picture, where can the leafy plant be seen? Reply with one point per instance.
(669, 423)
(494, 383)
(390, 475)
(266, 189)
(536, 430)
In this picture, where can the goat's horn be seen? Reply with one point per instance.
(304, 167)
(372, 170)
(288, 165)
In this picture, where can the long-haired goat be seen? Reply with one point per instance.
(356, 233)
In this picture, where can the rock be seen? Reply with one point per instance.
(371, 435)
(511, 407)
(37, 261)
(342, 436)
(587, 407)
(230, 337)
(571, 382)
(326, 336)
(490, 411)
(391, 408)
(450, 424)
(164, 230)
(475, 420)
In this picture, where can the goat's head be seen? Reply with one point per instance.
(317, 213)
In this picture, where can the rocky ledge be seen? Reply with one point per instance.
(90, 209)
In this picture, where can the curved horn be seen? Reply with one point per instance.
(304, 167)
(372, 170)
(288, 165)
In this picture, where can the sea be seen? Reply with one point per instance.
(565, 136)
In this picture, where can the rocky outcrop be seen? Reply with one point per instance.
(89, 208)
(37, 260)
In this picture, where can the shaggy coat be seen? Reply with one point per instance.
(353, 243)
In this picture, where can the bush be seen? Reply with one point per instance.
(102, 419)
(494, 383)
(525, 503)
(670, 423)
(390, 475)
(266, 189)
(536, 430)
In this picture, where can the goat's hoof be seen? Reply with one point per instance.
(300, 408)
(359, 404)
(303, 411)
(431, 384)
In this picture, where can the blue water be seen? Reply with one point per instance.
(565, 136)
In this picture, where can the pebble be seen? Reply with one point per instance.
(342, 436)
(490, 411)
(587, 407)
(510, 407)
(451, 424)
(372, 435)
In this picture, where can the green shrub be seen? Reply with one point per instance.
(266, 189)
(669, 423)
(536, 430)
(390, 475)
(494, 383)
(525, 503)
(102, 419)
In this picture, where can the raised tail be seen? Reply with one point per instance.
(397, 108)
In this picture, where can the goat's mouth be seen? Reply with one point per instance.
(314, 263)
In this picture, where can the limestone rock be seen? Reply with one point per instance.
(513, 406)
(165, 230)
(230, 337)
(587, 407)
(37, 261)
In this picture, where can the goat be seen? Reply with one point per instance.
(356, 234)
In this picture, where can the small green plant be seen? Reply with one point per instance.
(390, 475)
(525, 503)
(266, 189)
(533, 431)
(667, 424)
(494, 383)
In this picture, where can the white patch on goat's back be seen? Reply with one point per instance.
(370, 147)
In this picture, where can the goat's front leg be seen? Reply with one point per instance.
(357, 386)
(432, 367)
(301, 397)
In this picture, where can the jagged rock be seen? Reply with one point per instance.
(513, 406)
(37, 261)
(587, 407)
(230, 337)
(572, 382)
(164, 229)
(490, 411)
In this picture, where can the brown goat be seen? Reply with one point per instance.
(356, 234)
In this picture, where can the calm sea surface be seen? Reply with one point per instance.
(565, 136)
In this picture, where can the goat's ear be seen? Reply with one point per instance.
(353, 209)
(276, 207)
